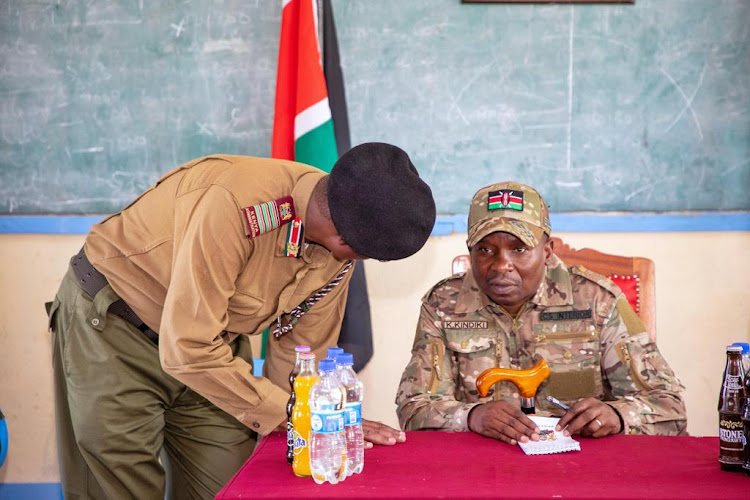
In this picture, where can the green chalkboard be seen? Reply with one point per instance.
(636, 108)
(98, 99)
(642, 107)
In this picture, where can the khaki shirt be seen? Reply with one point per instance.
(182, 257)
(579, 321)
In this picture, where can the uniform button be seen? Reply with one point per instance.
(256, 425)
(464, 345)
(95, 321)
(568, 355)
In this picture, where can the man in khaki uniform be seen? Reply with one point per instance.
(519, 302)
(147, 359)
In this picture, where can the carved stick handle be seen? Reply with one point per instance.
(527, 381)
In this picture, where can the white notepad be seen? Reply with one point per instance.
(550, 440)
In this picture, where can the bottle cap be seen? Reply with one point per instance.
(302, 348)
(345, 358)
(332, 352)
(326, 365)
(307, 355)
(745, 346)
(734, 348)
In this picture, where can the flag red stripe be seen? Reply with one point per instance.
(311, 83)
(511, 199)
(282, 145)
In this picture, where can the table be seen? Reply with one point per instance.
(434, 464)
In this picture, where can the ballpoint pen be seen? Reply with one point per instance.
(557, 402)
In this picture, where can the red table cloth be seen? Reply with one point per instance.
(466, 465)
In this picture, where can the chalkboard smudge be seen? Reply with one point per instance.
(688, 102)
(97, 149)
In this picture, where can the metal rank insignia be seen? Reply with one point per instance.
(267, 216)
(294, 238)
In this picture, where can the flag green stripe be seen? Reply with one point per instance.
(317, 147)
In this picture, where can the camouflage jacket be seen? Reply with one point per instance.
(579, 321)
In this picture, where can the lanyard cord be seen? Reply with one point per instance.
(295, 314)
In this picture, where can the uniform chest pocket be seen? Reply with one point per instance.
(572, 352)
(472, 352)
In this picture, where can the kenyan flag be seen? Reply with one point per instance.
(302, 125)
(505, 199)
(308, 97)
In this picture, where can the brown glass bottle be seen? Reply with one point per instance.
(731, 404)
(290, 404)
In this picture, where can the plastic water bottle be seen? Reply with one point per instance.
(328, 442)
(353, 390)
(332, 352)
(290, 404)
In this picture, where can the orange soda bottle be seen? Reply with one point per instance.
(290, 404)
(303, 382)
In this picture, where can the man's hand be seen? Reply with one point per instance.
(377, 433)
(590, 418)
(503, 421)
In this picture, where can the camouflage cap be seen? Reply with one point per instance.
(509, 207)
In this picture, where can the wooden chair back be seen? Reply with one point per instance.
(634, 275)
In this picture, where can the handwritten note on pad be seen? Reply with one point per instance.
(550, 441)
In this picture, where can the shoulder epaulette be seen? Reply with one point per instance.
(597, 278)
(440, 285)
(267, 216)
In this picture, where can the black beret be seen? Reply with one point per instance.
(378, 203)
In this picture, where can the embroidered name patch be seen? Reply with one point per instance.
(507, 199)
(565, 315)
(465, 325)
(267, 216)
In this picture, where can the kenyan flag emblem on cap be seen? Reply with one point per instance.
(505, 199)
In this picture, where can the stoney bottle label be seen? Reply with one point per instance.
(731, 438)
(733, 383)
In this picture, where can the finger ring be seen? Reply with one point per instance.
(598, 421)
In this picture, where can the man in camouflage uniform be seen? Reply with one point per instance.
(520, 302)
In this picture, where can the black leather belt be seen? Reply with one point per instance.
(92, 281)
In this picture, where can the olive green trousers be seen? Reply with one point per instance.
(125, 428)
